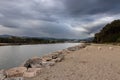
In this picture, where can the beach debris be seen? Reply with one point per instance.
(2, 74)
(99, 48)
(110, 48)
(15, 72)
(32, 72)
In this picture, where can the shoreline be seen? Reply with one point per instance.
(94, 62)
(89, 61)
(14, 44)
(38, 63)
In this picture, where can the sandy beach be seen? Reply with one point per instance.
(95, 62)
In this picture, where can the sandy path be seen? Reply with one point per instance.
(90, 64)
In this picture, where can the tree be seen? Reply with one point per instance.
(110, 33)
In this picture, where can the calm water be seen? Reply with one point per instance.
(11, 56)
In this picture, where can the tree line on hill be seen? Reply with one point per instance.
(109, 34)
(30, 40)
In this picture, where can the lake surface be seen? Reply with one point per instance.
(12, 56)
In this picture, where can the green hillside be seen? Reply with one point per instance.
(109, 34)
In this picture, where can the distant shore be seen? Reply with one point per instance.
(7, 44)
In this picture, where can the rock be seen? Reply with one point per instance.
(28, 63)
(65, 51)
(110, 48)
(48, 63)
(45, 61)
(46, 58)
(15, 72)
(75, 48)
(99, 48)
(29, 74)
(34, 62)
(36, 65)
(59, 59)
(83, 45)
(86, 48)
(72, 48)
(2, 75)
(37, 70)
(59, 52)
(15, 78)
(32, 72)
(54, 56)
(51, 56)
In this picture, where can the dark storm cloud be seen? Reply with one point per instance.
(91, 7)
(56, 18)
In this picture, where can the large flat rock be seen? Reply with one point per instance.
(15, 72)
(32, 72)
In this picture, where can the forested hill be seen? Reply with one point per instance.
(30, 40)
(109, 34)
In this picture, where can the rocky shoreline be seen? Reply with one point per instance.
(33, 67)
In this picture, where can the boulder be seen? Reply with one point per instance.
(14, 78)
(2, 75)
(32, 72)
(48, 63)
(15, 72)
(46, 58)
(54, 56)
(34, 62)
(51, 56)
(65, 51)
(72, 48)
(59, 59)
(45, 61)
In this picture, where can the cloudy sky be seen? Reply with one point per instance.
(56, 18)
